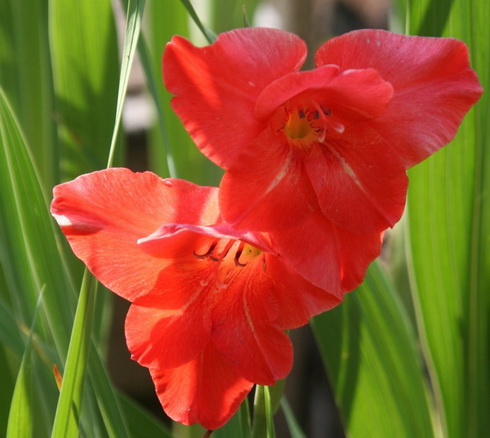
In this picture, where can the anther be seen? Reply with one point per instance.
(238, 254)
(209, 251)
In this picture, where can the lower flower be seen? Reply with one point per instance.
(210, 304)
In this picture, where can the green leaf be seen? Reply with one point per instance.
(371, 355)
(85, 68)
(239, 425)
(449, 230)
(142, 423)
(294, 428)
(29, 264)
(21, 409)
(70, 401)
(131, 36)
(25, 74)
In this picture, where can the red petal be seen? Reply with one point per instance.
(350, 94)
(216, 86)
(207, 390)
(433, 83)
(103, 214)
(245, 330)
(172, 325)
(268, 187)
(358, 187)
(297, 299)
(330, 257)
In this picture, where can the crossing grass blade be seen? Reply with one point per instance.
(371, 357)
(449, 231)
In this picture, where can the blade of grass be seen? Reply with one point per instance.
(25, 259)
(239, 425)
(133, 27)
(294, 428)
(208, 34)
(20, 423)
(70, 401)
(142, 423)
(85, 57)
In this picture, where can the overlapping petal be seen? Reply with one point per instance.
(103, 214)
(267, 188)
(328, 256)
(216, 87)
(172, 325)
(434, 86)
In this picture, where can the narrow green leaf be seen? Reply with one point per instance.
(29, 264)
(294, 428)
(449, 231)
(70, 401)
(238, 426)
(372, 360)
(208, 34)
(227, 15)
(131, 36)
(85, 56)
(25, 75)
(107, 400)
(263, 423)
(142, 423)
(9, 331)
(21, 409)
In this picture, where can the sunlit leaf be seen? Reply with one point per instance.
(449, 235)
(372, 360)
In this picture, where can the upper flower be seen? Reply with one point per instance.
(334, 140)
(210, 303)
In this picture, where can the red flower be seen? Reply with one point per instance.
(210, 303)
(336, 139)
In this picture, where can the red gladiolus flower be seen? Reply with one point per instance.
(210, 303)
(337, 139)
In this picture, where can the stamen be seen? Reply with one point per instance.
(238, 254)
(209, 251)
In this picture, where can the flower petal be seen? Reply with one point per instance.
(216, 86)
(245, 330)
(171, 325)
(297, 299)
(350, 94)
(358, 187)
(207, 390)
(330, 257)
(434, 86)
(268, 188)
(172, 240)
(103, 214)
